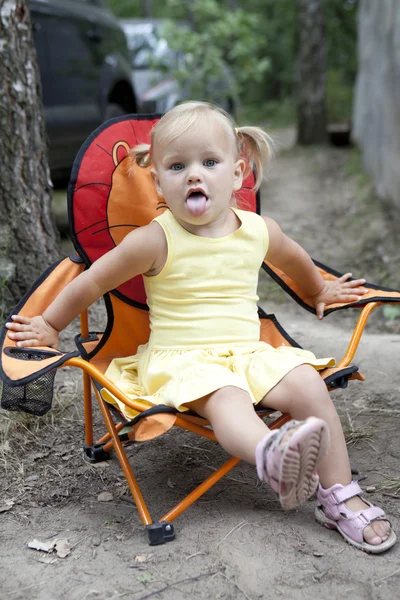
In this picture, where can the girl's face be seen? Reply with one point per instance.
(198, 172)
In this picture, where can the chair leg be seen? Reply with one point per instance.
(93, 452)
(200, 490)
(160, 533)
(123, 460)
(87, 407)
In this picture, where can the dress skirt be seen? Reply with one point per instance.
(178, 377)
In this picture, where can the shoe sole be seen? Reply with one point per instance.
(306, 448)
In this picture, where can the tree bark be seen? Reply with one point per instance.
(311, 73)
(29, 240)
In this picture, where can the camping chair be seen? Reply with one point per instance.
(105, 202)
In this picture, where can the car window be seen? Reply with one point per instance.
(148, 47)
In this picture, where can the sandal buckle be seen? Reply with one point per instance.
(334, 498)
(364, 518)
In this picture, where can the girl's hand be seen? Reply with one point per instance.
(32, 332)
(340, 290)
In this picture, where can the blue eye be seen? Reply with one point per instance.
(210, 162)
(177, 167)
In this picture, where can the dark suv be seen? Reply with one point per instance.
(85, 70)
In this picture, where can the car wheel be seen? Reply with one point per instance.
(113, 110)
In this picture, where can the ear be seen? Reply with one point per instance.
(154, 176)
(238, 174)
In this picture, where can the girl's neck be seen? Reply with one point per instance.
(226, 223)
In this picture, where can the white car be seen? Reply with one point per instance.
(157, 90)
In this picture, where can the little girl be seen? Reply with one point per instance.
(200, 261)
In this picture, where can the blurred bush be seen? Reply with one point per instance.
(255, 41)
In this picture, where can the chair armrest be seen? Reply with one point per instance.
(376, 294)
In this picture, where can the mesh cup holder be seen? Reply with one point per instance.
(34, 397)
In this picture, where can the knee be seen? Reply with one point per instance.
(228, 398)
(306, 383)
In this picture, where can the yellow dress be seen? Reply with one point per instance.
(204, 323)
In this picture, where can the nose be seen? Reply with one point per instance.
(194, 175)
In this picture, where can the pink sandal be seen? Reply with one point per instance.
(331, 512)
(289, 467)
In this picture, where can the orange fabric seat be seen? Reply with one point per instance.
(107, 199)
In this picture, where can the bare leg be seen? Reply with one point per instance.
(239, 430)
(219, 407)
(302, 394)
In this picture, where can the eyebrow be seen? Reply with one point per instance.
(179, 156)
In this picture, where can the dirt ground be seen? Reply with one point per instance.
(235, 542)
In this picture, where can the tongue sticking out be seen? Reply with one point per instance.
(196, 203)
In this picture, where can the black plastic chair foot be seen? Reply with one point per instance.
(95, 453)
(159, 533)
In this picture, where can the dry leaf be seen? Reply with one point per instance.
(62, 547)
(43, 546)
(8, 504)
(141, 558)
(47, 560)
(105, 497)
(5, 447)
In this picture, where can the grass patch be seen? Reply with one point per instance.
(355, 434)
(389, 485)
(14, 425)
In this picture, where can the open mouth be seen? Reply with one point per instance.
(196, 202)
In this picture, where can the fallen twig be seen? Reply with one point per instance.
(237, 527)
(236, 585)
(19, 590)
(374, 581)
(166, 587)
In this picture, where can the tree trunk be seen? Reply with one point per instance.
(29, 240)
(311, 109)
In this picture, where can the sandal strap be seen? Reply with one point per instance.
(346, 492)
(373, 513)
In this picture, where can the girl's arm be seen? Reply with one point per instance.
(291, 258)
(141, 251)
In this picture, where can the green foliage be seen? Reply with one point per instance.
(339, 96)
(126, 9)
(341, 37)
(256, 41)
(271, 114)
(391, 313)
(215, 42)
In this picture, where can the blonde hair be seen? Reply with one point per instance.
(253, 144)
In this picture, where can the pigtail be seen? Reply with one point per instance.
(256, 146)
(140, 155)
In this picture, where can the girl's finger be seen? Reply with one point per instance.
(349, 298)
(21, 335)
(357, 282)
(18, 327)
(319, 309)
(20, 319)
(358, 290)
(28, 343)
(345, 277)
